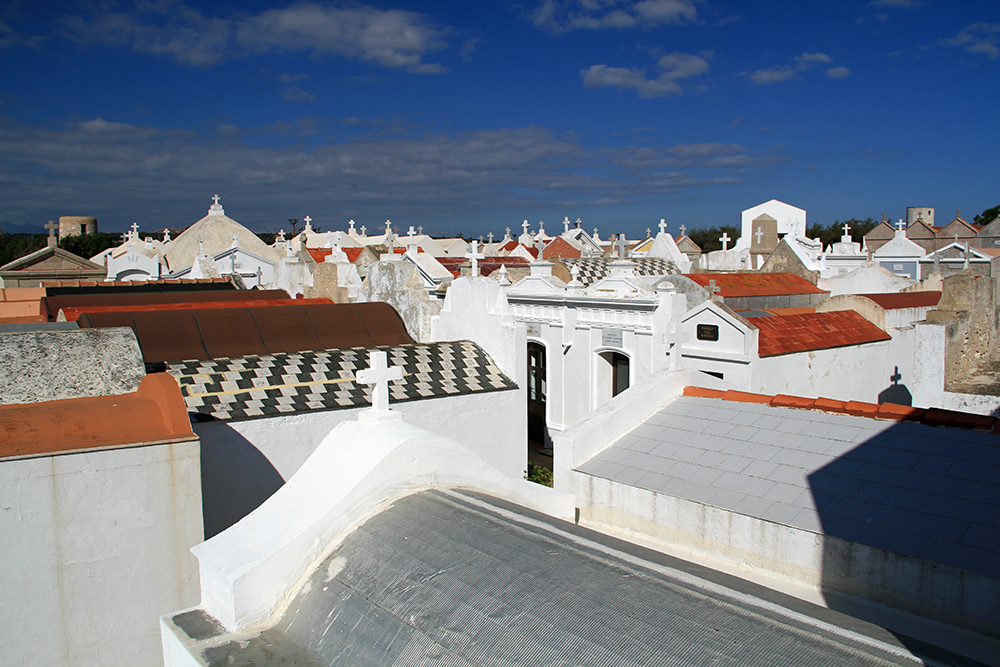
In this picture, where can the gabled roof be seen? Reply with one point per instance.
(785, 334)
(756, 284)
(593, 269)
(560, 247)
(36, 261)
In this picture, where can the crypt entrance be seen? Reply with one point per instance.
(539, 444)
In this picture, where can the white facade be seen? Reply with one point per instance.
(791, 221)
(95, 549)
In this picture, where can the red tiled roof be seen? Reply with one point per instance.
(487, 265)
(905, 299)
(319, 254)
(560, 247)
(72, 314)
(756, 284)
(154, 413)
(784, 334)
(887, 411)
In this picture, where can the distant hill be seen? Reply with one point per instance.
(11, 228)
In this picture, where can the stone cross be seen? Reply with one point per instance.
(683, 230)
(759, 234)
(725, 241)
(475, 257)
(663, 226)
(847, 230)
(490, 237)
(363, 230)
(541, 228)
(900, 225)
(378, 375)
(350, 229)
(621, 243)
(135, 230)
(215, 199)
(411, 233)
(565, 224)
(388, 228)
(578, 223)
(281, 235)
(52, 227)
(420, 230)
(713, 289)
(540, 246)
(524, 226)
(649, 232)
(308, 222)
(596, 237)
(506, 236)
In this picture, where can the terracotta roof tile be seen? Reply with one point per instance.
(756, 284)
(884, 411)
(784, 334)
(72, 314)
(905, 299)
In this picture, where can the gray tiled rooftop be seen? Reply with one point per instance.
(910, 488)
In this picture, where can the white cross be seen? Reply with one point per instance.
(52, 227)
(490, 237)
(622, 244)
(759, 234)
(475, 257)
(524, 226)
(378, 375)
(351, 228)
(900, 225)
(596, 237)
(540, 247)
(411, 245)
(578, 223)
(308, 220)
(725, 241)
(363, 230)
(135, 230)
(411, 233)
(541, 228)
(420, 230)
(566, 224)
(683, 230)
(663, 226)
(166, 236)
(847, 229)
(506, 236)
(216, 199)
(281, 235)
(388, 227)
(713, 289)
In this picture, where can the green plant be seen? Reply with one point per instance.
(538, 475)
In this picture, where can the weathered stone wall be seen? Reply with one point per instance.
(75, 225)
(968, 306)
(40, 366)
(399, 285)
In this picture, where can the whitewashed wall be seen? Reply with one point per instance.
(854, 373)
(95, 548)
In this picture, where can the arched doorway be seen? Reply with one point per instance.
(613, 376)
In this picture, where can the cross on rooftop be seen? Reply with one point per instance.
(901, 226)
(166, 236)
(759, 234)
(378, 375)
(475, 257)
(420, 230)
(541, 227)
(649, 232)
(566, 224)
(713, 289)
(388, 227)
(308, 222)
(281, 234)
(683, 230)
(52, 227)
(847, 229)
(524, 226)
(410, 232)
(351, 226)
(490, 237)
(663, 226)
(725, 241)
(215, 198)
(578, 223)
(540, 246)
(363, 230)
(621, 243)
(135, 230)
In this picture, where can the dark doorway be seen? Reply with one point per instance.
(536, 394)
(619, 373)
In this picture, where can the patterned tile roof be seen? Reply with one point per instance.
(756, 284)
(487, 265)
(262, 385)
(910, 488)
(593, 269)
(784, 334)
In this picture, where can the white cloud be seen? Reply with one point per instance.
(121, 172)
(390, 38)
(980, 38)
(801, 64)
(838, 72)
(674, 66)
(566, 15)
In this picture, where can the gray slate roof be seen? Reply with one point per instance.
(264, 385)
(453, 581)
(922, 491)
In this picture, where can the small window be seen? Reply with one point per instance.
(708, 332)
(714, 374)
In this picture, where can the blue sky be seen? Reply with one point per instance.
(470, 117)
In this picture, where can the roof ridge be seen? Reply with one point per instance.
(884, 411)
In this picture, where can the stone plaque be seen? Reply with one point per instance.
(611, 337)
(534, 329)
(763, 235)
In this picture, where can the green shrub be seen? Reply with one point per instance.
(538, 475)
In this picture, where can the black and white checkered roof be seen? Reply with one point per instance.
(593, 269)
(259, 386)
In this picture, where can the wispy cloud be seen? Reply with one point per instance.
(673, 68)
(800, 64)
(898, 4)
(982, 38)
(566, 15)
(390, 38)
(120, 172)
